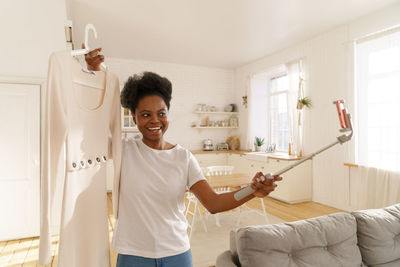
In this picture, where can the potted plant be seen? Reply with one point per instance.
(258, 143)
(304, 102)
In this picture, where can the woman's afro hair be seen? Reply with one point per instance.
(145, 84)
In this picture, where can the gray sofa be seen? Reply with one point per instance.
(361, 238)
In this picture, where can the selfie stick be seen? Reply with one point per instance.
(345, 123)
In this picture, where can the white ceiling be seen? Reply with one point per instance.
(214, 33)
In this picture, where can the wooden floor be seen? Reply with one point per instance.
(24, 252)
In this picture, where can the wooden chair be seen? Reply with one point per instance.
(245, 209)
(193, 211)
(221, 170)
(196, 213)
(215, 171)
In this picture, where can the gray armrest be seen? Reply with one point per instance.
(225, 259)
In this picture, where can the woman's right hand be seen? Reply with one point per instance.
(93, 59)
(264, 186)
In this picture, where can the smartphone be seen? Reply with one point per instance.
(342, 114)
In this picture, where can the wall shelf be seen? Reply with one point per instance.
(216, 112)
(230, 122)
(214, 127)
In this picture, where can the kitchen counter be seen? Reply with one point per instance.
(259, 156)
(294, 188)
(241, 152)
(263, 156)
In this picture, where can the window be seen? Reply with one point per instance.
(269, 109)
(377, 100)
(273, 105)
(278, 115)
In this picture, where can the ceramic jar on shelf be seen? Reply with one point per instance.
(233, 121)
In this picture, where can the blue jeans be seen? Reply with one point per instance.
(181, 260)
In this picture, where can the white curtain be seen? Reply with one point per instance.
(295, 91)
(372, 188)
(377, 97)
(250, 115)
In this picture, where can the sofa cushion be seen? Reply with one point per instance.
(323, 241)
(378, 232)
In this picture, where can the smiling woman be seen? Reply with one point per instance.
(155, 174)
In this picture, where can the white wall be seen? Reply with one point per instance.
(30, 31)
(329, 76)
(191, 85)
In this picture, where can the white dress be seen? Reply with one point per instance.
(78, 142)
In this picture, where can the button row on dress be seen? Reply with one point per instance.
(82, 164)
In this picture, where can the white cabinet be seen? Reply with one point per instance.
(127, 121)
(257, 166)
(240, 162)
(212, 159)
(295, 187)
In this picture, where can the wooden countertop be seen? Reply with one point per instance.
(279, 156)
(284, 157)
(242, 152)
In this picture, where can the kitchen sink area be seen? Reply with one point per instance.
(264, 156)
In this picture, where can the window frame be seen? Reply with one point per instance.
(269, 98)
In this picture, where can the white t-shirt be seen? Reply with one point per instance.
(151, 201)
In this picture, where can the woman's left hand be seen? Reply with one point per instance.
(93, 59)
(264, 186)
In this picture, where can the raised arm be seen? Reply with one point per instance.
(215, 203)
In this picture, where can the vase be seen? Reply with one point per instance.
(300, 105)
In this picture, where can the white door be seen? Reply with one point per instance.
(19, 160)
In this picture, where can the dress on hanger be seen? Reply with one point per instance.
(78, 142)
